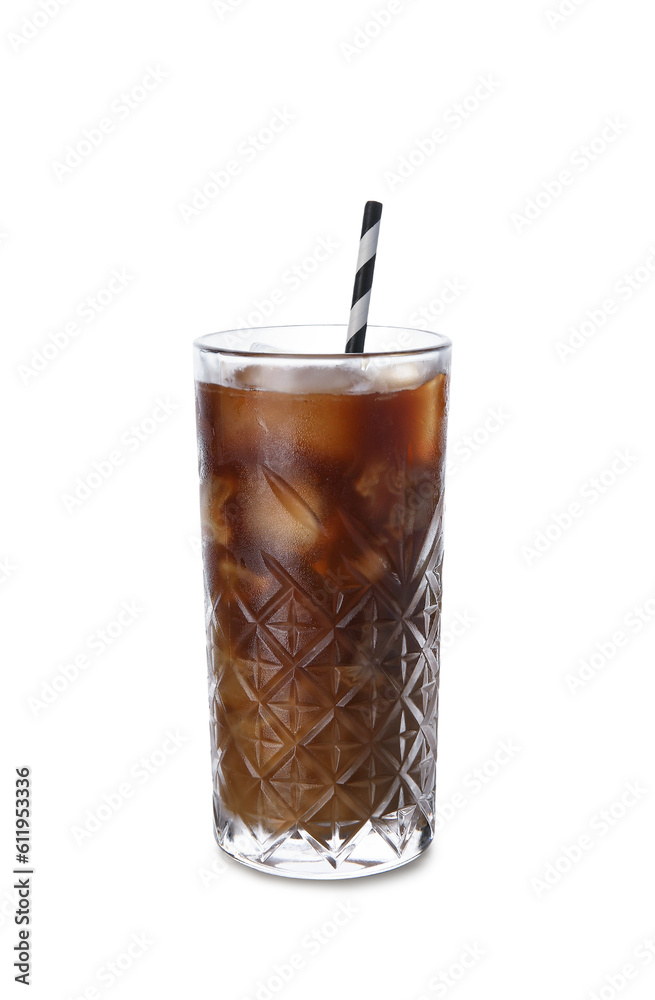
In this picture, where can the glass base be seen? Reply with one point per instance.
(380, 846)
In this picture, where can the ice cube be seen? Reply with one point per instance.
(371, 565)
(236, 577)
(301, 379)
(215, 491)
(368, 484)
(255, 377)
(283, 514)
(330, 379)
(293, 503)
(395, 376)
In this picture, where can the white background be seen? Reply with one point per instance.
(216, 929)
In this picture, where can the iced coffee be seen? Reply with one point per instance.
(322, 494)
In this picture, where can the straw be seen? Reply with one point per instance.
(368, 246)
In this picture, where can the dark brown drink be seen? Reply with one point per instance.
(322, 548)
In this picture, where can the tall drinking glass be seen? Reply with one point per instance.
(322, 493)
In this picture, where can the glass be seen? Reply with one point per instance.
(322, 490)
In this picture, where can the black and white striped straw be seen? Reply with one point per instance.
(364, 278)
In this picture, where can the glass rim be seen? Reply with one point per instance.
(201, 343)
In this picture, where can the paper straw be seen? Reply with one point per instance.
(364, 278)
